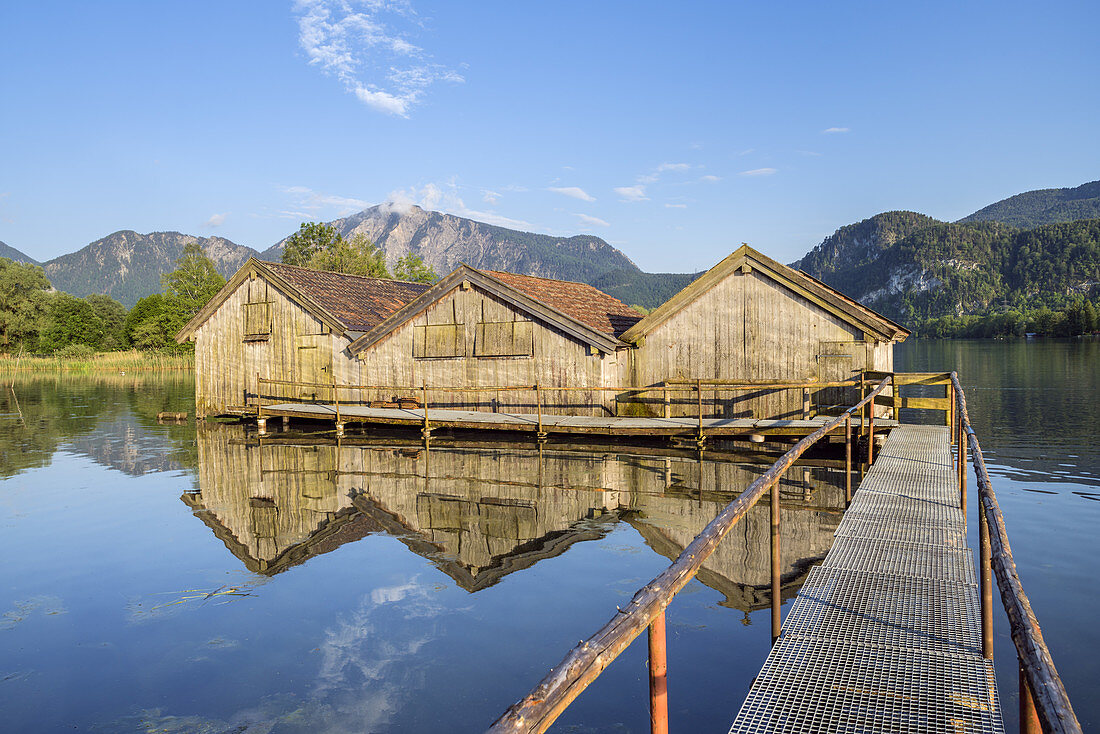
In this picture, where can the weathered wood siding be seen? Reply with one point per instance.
(749, 327)
(461, 327)
(228, 358)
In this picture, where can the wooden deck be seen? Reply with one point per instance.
(886, 634)
(557, 424)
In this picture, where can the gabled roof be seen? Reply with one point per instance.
(583, 302)
(346, 303)
(813, 290)
(570, 323)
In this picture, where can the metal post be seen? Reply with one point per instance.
(963, 441)
(658, 676)
(776, 620)
(986, 583)
(863, 410)
(1029, 718)
(668, 404)
(424, 404)
(847, 460)
(871, 436)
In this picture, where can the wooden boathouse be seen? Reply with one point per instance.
(483, 340)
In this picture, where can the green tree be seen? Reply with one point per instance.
(23, 300)
(113, 315)
(311, 238)
(71, 320)
(194, 281)
(411, 267)
(357, 256)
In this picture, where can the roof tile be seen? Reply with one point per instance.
(360, 303)
(589, 305)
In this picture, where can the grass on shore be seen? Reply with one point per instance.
(133, 360)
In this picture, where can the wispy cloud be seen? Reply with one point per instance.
(490, 197)
(810, 153)
(319, 203)
(710, 178)
(758, 172)
(446, 199)
(591, 221)
(574, 192)
(632, 193)
(216, 220)
(833, 130)
(655, 174)
(359, 43)
(676, 206)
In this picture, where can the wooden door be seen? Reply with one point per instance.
(314, 367)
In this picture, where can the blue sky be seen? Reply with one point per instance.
(674, 131)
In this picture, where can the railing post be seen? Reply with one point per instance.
(668, 404)
(776, 619)
(1029, 718)
(986, 580)
(658, 676)
(538, 407)
(847, 460)
(427, 431)
(805, 403)
(699, 392)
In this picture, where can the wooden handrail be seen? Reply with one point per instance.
(1047, 691)
(670, 386)
(584, 663)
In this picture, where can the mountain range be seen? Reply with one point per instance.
(908, 265)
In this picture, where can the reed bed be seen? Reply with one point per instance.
(131, 361)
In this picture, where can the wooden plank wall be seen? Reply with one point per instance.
(555, 360)
(226, 364)
(750, 328)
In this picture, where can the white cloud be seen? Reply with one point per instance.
(831, 130)
(358, 43)
(809, 153)
(216, 220)
(676, 206)
(574, 192)
(632, 193)
(490, 197)
(591, 221)
(672, 167)
(710, 178)
(445, 199)
(758, 172)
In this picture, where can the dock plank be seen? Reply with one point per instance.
(885, 635)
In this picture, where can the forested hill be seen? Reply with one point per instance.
(973, 268)
(13, 254)
(858, 244)
(1044, 206)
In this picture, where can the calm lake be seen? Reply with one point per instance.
(173, 579)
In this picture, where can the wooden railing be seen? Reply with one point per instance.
(584, 663)
(666, 389)
(1044, 702)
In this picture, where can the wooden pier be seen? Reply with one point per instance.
(893, 632)
(886, 634)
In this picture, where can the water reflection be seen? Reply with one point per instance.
(479, 514)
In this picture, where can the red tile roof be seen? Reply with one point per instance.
(360, 303)
(586, 304)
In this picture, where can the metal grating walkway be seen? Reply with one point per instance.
(885, 635)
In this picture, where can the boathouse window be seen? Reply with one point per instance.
(257, 320)
(434, 341)
(504, 339)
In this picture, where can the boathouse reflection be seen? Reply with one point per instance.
(480, 513)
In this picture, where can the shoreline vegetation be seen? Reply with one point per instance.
(133, 360)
